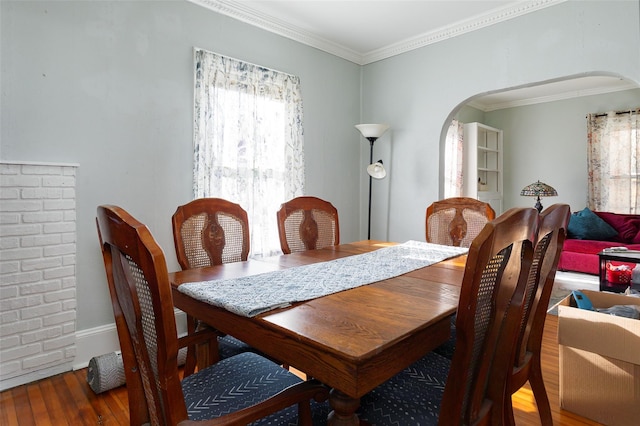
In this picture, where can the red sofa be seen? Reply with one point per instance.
(580, 254)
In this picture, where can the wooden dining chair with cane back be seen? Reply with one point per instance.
(307, 223)
(207, 232)
(456, 221)
(237, 390)
(527, 367)
(471, 388)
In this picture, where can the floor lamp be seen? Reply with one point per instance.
(375, 170)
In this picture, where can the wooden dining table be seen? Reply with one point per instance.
(352, 340)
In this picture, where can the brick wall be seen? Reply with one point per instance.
(37, 268)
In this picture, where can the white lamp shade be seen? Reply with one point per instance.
(372, 130)
(376, 170)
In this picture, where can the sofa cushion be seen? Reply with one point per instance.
(582, 255)
(586, 225)
(627, 225)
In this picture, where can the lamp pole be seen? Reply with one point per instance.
(371, 141)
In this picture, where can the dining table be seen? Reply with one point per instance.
(351, 340)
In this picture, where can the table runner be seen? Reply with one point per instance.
(252, 295)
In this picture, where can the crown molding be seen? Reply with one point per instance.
(237, 10)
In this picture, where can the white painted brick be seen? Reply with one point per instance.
(69, 171)
(7, 243)
(69, 204)
(69, 327)
(20, 230)
(7, 292)
(69, 352)
(41, 169)
(68, 305)
(59, 342)
(25, 302)
(40, 287)
(68, 238)
(21, 206)
(18, 327)
(41, 335)
(68, 193)
(59, 250)
(59, 318)
(8, 368)
(21, 278)
(69, 260)
(40, 311)
(42, 217)
(68, 282)
(56, 296)
(41, 263)
(52, 228)
(58, 181)
(21, 253)
(65, 271)
(9, 267)
(41, 240)
(9, 218)
(69, 215)
(42, 360)
(9, 169)
(8, 318)
(9, 193)
(20, 352)
(9, 342)
(19, 181)
(41, 193)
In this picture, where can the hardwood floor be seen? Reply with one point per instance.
(66, 399)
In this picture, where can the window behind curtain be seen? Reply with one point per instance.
(614, 162)
(248, 141)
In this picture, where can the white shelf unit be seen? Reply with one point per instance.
(483, 172)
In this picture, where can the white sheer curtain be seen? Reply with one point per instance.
(454, 150)
(248, 141)
(614, 161)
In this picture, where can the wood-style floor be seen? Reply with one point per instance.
(66, 399)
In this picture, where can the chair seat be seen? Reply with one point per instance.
(411, 397)
(232, 384)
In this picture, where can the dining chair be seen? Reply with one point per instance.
(471, 388)
(207, 232)
(527, 367)
(307, 223)
(237, 390)
(456, 221)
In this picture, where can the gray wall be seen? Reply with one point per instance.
(109, 85)
(420, 91)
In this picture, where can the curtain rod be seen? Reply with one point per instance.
(617, 112)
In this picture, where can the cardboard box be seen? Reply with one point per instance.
(600, 360)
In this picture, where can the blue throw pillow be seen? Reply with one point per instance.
(586, 225)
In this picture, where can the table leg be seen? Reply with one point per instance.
(344, 409)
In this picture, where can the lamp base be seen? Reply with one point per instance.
(538, 205)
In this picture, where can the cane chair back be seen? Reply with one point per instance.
(143, 306)
(456, 221)
(470, 388)
(551, 236)
(210, 231)
(307, 223)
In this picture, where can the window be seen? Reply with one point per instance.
(248, 141)
(614, 161)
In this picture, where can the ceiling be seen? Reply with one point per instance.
(366, 31)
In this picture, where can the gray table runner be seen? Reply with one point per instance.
(255, 294)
